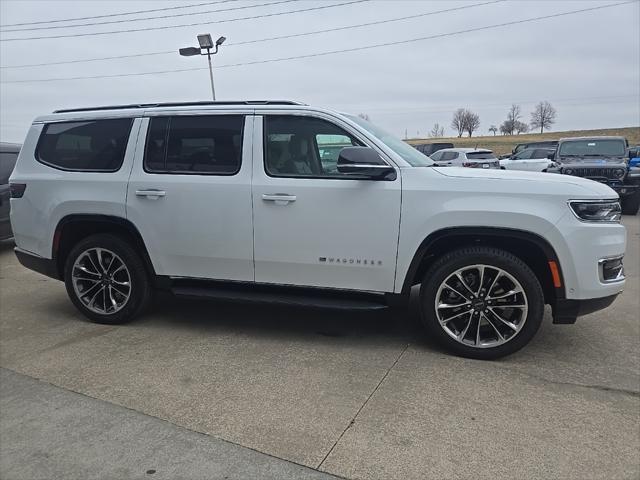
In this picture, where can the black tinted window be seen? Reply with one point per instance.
(7, 162)
(95, 145)
(481, 156)
(299, 146)
(199, 144)
(524, 154)
(538, 153)
(448, 156)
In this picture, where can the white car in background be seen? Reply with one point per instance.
(465, 157)
(531, 159)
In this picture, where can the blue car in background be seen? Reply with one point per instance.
(634, 156)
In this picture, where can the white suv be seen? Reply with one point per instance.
(465, 157)
(282, 202)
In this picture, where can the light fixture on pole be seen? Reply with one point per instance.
(206, 44)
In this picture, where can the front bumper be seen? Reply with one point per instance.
(567, 311)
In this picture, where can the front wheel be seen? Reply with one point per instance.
(106, 279)
(481, 302)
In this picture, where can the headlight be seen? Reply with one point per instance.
(568, 171)
(605, 211)
(619, 172)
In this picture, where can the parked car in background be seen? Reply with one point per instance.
(605, 160)
(525, 146)
(429, 148)
(466, 157)
(634, 156)
(530, 159)
(8, 156)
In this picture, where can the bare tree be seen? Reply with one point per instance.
(436, 131)
(508, 127)
(471, 122)
(457, 123)
(543, 116)
(493, 129)
(520, 127)
(515, 113)
(364, 116)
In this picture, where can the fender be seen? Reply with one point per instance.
(477, 234)
(104, 223)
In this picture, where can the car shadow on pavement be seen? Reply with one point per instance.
(400, 323)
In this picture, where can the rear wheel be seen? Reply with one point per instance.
(481, 302)
(631, 204)
(106, 279)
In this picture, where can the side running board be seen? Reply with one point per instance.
(294, 296)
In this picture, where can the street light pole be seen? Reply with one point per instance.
(213, 90)
(205, 43)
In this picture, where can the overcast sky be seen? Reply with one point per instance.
(586, 64)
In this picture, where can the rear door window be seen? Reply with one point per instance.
(524, 155)
(94, 145)
(197, 144)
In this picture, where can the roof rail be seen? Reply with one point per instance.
(178, 104)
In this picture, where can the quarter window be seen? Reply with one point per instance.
(297, 146)
(199, 144)
(96, 145)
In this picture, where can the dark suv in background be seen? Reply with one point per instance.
(429, 148)
(605, 160)
(527, 146)
(8, 156)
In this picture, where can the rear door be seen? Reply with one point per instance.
(189, 194)
(314, 226)
(539, 160)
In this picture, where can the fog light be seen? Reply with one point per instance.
(611, 269)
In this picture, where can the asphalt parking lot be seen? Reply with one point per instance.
(217, 390)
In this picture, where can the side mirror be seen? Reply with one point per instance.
(364, 163)
(551, 155)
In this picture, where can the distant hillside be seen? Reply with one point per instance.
(504, 143)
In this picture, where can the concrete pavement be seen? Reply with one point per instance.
(49, 432)
(360, 395)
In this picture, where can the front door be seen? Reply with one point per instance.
(314, 226)
(189, 195)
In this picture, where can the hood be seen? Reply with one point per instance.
(538, 181)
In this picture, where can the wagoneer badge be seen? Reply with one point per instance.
(352, 261)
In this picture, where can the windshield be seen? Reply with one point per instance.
(593, 148)
(481, 156)
(409, 154)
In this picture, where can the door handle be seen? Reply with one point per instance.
(279, 198)
(151, 194)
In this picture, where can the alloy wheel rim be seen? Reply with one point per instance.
(101, 281)
(481, 306)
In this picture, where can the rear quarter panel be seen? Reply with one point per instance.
(52, 194)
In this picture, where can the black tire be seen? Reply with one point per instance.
(450, 263)
(140, 286)
(631, 204)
